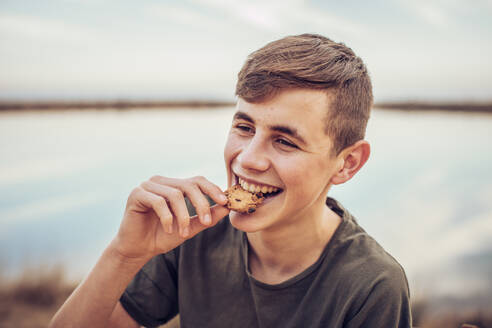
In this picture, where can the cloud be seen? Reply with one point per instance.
(188, 16)
(432, 14)
(437, 13)
(267, 16)
(43, 29)
(262, 15)
(105, 48)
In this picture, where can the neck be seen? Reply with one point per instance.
(278, 254)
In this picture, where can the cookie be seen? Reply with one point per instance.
(241, 200)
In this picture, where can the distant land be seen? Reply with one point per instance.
(116, 104)
(482, 107)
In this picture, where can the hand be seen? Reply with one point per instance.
(156, 218)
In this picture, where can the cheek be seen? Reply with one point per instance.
(307, 177)
(292, 173)
(231, 149)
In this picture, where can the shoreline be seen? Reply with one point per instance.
(14, 106)
(105, 105)
(466, 107)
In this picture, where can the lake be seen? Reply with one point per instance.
(425, 194)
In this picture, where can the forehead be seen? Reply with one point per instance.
(303, 110)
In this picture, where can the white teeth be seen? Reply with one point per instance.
(255, 188)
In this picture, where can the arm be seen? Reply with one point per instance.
(155, 221)
(121, 319)
(93, 301)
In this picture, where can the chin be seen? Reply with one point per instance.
(246, 222)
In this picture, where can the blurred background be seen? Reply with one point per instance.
(98, 96)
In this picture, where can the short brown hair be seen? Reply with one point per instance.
(313, 61)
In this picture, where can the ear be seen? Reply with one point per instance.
(351, 160)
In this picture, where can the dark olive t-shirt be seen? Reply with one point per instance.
(354, 283)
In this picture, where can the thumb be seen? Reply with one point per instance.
(218, 213)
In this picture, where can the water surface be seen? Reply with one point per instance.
(425, 194)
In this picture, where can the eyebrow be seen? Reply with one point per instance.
(243, 116)
(288, 130)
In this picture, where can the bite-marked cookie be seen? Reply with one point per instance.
(241, 200)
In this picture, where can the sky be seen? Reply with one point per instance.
(423, 50)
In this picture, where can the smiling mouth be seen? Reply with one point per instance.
(266, 191)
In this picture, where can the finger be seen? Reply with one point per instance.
(211, 189)
(200, 203)
(205, 186)
(176, 201)
(218, 212)
(167, 216)
(158, 204)
(172, 182)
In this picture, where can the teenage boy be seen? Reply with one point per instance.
(299, 260)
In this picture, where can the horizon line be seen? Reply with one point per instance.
(59, 104)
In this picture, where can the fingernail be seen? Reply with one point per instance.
(207, 219)
(223, 198)
(186, 231)
(169, 229)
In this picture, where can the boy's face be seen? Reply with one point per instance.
(281, 143)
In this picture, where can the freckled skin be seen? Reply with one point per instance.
(256, 152)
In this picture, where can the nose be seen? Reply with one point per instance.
(253, 155)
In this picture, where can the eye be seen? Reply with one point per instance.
(286, 143)
(244, 128)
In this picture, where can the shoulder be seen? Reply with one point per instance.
(364, 262)
(372, 280)
(365, 257)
